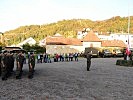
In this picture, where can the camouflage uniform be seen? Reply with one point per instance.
(0, 63)
(8, 63)
(12, 62)
(31, 62)
(19, 62)
(88, 61)
(4, 66)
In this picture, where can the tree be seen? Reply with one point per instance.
(26, 47)
(34, 48)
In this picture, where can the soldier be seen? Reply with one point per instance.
(19, 63)
(0, 62)
(4, 66)
(88, 61)
(12, 61)
(8, 63)
(31, 62)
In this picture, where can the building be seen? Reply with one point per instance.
(29, 41)
(119, 36)
(59, 44)
(91, 40)
(83, 33)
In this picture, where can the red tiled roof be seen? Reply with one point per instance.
(113, 43)
(91, 37)
(62, 41)
(55, 40)
(74, 41)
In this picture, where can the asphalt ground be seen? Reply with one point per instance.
(71, 81)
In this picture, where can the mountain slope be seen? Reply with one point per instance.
(68, 28)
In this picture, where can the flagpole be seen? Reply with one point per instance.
(128, 45)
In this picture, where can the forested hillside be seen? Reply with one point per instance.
(68, 28)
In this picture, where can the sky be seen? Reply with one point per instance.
(16, 13)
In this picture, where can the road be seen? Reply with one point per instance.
(71, 81)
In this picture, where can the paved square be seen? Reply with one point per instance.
(71, 81)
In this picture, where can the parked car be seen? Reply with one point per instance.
(93, 50)
(105, 53)
(117, 53)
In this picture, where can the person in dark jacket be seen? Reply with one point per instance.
(88, 61)
(31, 62)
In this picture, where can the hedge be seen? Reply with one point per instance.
(128, 63)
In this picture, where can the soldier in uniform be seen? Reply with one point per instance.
(8, 63)
(19, 63)
(4, 66)
(88, 61)
(0, 62)
(12, 62)
(31, 63)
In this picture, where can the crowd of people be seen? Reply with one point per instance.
(47, 58)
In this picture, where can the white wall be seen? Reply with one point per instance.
(118, 36)
(88, 44)
(95, 44)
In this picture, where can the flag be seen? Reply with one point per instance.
(128, 52)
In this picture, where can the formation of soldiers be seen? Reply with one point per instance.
(7, 60)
